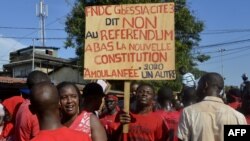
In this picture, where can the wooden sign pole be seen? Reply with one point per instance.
(126, 107)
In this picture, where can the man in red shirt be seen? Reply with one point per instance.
(245, 108)
(233, 98)
(45, 103)
(144, 124)
(86, 121)
(165, 99)
(26, 125)
(108, 120)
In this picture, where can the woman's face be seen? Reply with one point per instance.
(69, 100)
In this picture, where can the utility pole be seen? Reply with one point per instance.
(33, 55)
(221, 61)
(42, 13)
(222, 68)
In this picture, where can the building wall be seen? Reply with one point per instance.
(66, 74)
(22, 70)
(43, 51)
(23, 55)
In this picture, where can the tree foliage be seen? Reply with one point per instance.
(187, 29)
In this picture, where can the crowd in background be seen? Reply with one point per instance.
(45, 112)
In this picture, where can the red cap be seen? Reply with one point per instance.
(111, 96)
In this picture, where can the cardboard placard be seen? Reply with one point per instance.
(130, 42)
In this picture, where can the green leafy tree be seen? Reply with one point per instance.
(187, 29)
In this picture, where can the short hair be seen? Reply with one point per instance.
(36, 77)
(93, 89)
(189, 95)
(44, 97)
(233, 95)
(165, 93)
(213, 79)
(65, 84)
(146, 85)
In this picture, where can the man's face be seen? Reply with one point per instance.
(69, 101)
(110, 103)
(145, 95)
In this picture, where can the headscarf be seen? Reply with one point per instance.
(114, 97)
(11, 104)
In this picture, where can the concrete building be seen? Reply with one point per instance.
(45, 59)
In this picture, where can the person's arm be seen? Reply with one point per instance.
(34, 126)
(124, 118)
(97, 130)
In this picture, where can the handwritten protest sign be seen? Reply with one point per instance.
(130, 42)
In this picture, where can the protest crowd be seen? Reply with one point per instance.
(48, 112)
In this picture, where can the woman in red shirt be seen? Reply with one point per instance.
(82, 119)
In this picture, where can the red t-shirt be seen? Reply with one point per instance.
(110, 124)
(82, 123)
(147, 127)
(27, 125)
(248, 119)
(236, 105)
(172, 119)
(61, 134)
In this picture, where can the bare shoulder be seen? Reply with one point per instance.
(94, 119)
(97, 130)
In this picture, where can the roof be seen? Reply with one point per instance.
(37, 47)
(38, 58)
(11, 80)
(63, 66)
(51, 58)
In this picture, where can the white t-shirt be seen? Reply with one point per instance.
(188, 80)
